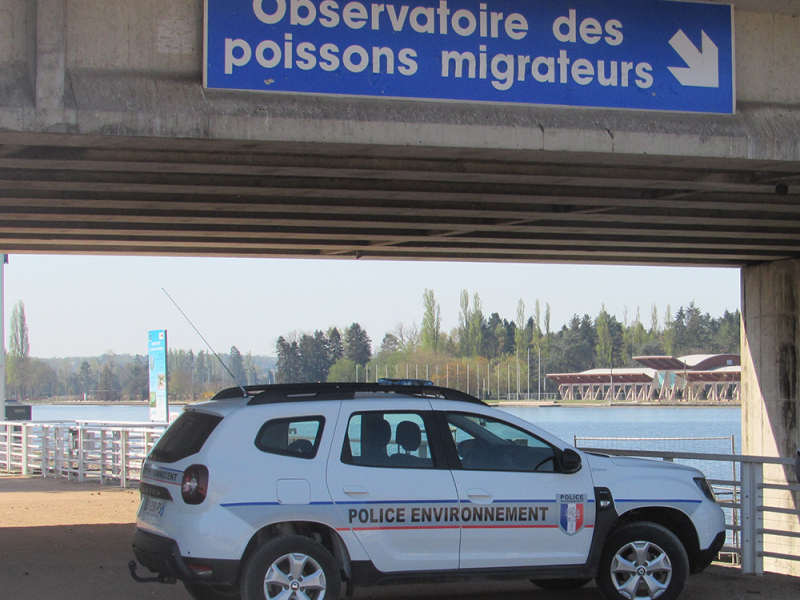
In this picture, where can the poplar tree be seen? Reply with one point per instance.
(431, 321)
(17, 362)
(605, 347)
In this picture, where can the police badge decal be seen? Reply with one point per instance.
(571, 509)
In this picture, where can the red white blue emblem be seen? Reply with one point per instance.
(571, 512)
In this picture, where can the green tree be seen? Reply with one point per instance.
(357, 345)
(669, 333)
(431, 321)
(250, 369)
(42, 379)
(237, 366)
(335, 345)
(476, 327)
(85, 377)
(106, 386)
(18, 357)
(464, 321)
(342, 370)
(136, 384)
(18, 344)
(390, 344)
(605, 347)
(314, 354)
(288, 361)
(520, 338)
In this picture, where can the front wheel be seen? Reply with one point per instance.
(291, 567)
(643, 561)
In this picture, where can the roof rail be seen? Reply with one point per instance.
(300, 392)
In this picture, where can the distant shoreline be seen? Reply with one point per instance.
(556, 404)
(500, 404)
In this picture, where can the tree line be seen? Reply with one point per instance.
(491, 354)
(481, 354)
(113, 377)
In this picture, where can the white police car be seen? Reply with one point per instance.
(293, 490)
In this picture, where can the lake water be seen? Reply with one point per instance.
(562, 421)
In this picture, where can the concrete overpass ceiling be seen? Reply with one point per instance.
(77, 194)
(118, 149)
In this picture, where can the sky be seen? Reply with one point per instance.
(87, 305)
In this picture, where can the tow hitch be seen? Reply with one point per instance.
(160, 578)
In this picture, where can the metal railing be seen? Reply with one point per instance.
(81, 450)
(106, 452)
(749, 502)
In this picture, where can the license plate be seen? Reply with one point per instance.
(153, 507)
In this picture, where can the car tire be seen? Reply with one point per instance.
(555, 585)
(291, 562)
(200, 591)
(643, 561)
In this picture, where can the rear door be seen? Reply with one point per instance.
(389, 480)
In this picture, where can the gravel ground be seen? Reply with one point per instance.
(71, 541)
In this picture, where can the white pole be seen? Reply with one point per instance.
(2, 337)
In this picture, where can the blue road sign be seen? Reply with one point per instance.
(636, 54)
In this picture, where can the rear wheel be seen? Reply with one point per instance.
(291, 567)
(643, 561)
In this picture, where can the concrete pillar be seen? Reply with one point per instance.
(51, 57)
(771, 388)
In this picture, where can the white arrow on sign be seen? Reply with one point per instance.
(703, 69)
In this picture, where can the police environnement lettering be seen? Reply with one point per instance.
(447, 514)
(501, 70)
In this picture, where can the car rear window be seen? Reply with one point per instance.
(298, 437)
(184, 437)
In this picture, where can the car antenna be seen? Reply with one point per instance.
(188, 320)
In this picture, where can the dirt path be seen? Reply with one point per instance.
(70, 541)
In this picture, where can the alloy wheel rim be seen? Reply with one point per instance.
(295, 577)
(641, 571)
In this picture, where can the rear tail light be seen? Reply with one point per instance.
(194, 486)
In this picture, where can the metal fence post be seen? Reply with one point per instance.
(123, 458)
(8, 446)
(752, 538)
(80, 455)
(24, 448)
(45, 455)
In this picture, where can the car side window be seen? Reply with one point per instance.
(383, 439)
(487, 444)
(298, 437)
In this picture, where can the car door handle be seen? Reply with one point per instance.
(355, 491)
(479, 496)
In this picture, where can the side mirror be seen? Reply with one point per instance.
(570, 461)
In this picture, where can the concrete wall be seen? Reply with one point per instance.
(767, 57)
(142, 35)
(17, 51)
(771, 385)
